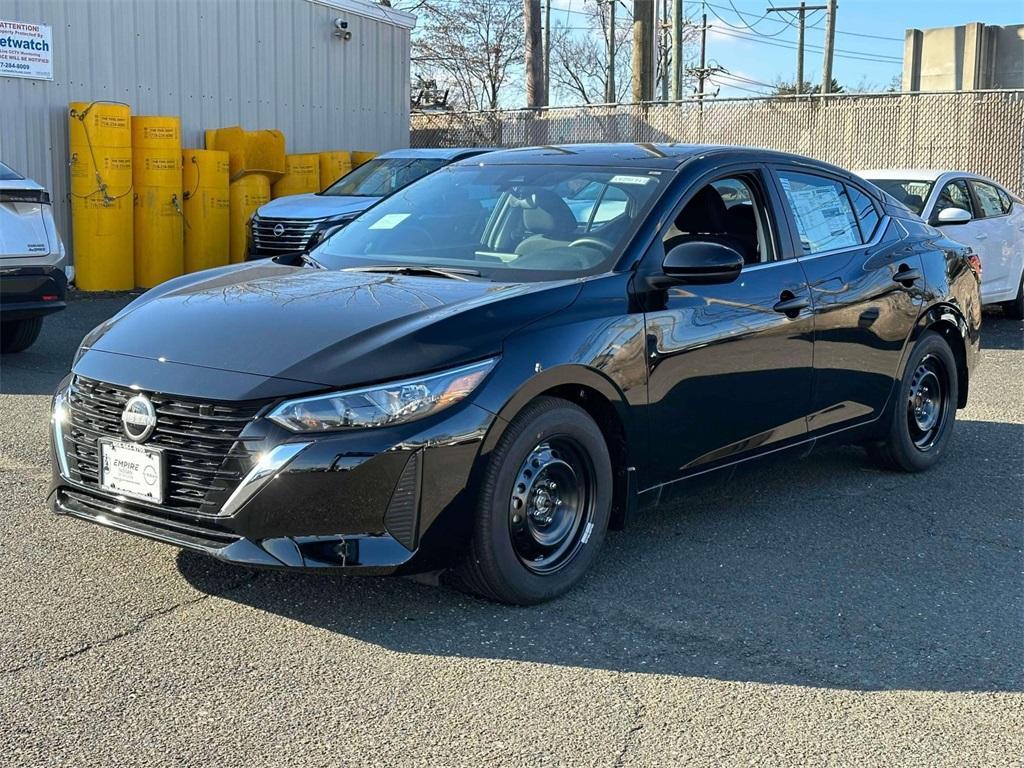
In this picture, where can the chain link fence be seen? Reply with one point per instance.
(978, 131)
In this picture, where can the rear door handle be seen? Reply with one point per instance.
(791, 305)
(981, 237)
(907, 276)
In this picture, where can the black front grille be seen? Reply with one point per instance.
(205, 454)
(271, 237)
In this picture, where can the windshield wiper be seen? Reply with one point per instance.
(310, 261)
(452, 273)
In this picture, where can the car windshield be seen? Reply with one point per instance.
(504, 222)
(382, 176)
(910, 192)
(9, 174)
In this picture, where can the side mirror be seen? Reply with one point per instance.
(702, 262)
(949, 216)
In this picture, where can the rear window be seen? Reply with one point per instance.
(382, 176)
(9, 174)
(912, 193)
(867, 216)
(993, 201)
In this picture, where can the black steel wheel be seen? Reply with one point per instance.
(927, 402)
(921, 420)
(551, 511)
(544, 506)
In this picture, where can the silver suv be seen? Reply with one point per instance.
(33, 278)
(299, 223)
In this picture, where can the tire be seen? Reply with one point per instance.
(19, 335)
(544, 506)
(1015, 307)
(923, 415)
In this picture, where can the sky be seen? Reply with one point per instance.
(758, 49)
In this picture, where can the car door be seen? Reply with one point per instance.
(997, 241)
(954, 193)
(729, 366)
(867, 290)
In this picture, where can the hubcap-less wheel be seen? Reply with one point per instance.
(551, 508)
(928, 402)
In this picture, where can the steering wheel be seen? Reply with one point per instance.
(592, 242)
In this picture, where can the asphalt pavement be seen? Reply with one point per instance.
(816, 611)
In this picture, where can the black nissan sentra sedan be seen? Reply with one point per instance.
(490, 368)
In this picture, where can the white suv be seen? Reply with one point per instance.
(33, 264)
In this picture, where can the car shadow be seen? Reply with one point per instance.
(822, 572)
(1001, 332)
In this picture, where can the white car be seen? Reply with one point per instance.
(33, 278)
(973, 210)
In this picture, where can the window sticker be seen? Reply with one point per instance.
(389, 220)
(823, 214)
(627, 179)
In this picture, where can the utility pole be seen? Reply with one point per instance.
(801, 11)
(547, 52)
(702, 72)
(534, 54)
(664, 48)
(830, 41)
(677, 50)
(611, 95)
(643, 50)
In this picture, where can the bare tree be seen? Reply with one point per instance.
(579, 58)
(474, 48)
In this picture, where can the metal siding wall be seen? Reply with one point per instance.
(254, 63)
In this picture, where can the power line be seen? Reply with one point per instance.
(816, 25)
(840, 52)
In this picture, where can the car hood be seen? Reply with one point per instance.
(311, 206)
(324, 327)
(19, 184)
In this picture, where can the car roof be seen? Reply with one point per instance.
(436, 153)
(641, 155)
(917, 174)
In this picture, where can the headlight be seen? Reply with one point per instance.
(382, 405)
(329, 227)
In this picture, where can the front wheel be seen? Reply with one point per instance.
(544, 506)
(922, 417)
(19, 335)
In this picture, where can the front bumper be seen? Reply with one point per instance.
(382, 501)
(27, 292)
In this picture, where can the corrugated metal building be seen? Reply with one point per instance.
(254, 63)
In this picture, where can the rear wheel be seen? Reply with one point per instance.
(19, 335)
(1014, 308)
(544, 506)
(923, 415)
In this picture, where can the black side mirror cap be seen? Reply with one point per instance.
(701, 262)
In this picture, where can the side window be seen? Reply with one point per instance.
(731, 211)
(612, 205)
(823, 213)
(954, 195)
(867, 215)
(988, 199)
(1005, 199)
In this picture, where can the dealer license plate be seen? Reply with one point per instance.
(132, 470)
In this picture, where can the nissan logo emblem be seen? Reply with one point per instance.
(278, 230)
(138, 418)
